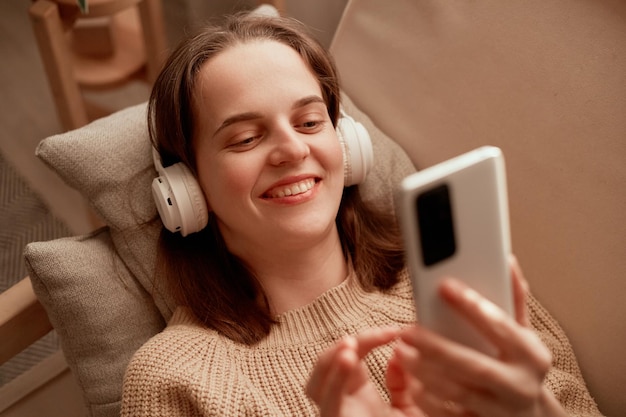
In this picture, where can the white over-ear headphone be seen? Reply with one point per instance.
(358, 154)
(180, 201)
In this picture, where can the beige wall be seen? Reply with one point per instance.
(546, 81)
(321, 15)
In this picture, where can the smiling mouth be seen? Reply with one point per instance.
(299, 187)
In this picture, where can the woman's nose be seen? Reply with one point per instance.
(288, 146)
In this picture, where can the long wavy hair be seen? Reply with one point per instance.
(200, 272)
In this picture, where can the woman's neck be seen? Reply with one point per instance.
(294, 277)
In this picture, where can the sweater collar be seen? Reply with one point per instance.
(338, 311)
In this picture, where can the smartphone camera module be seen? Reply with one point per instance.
(436, 229)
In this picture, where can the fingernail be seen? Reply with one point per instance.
(349, 342)
(452, 286)
(406, 352)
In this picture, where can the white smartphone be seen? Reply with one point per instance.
(455, 223)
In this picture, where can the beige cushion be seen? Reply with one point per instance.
(100, 312)
(94, 287)
(545, 80)
(109, 161)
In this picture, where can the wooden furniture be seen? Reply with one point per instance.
(23, 320)
(125, 40)
(115, 42)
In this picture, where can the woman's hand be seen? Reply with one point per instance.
(459, 381)
(340, 385)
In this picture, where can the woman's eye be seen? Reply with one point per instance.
(244, 142)
(311, 125)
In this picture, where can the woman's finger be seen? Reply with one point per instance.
(514, 342)
(433, 405)
(372, 338)
(403, 388)
(326, 363)
(337, 381)
(448, 393)
(438, 380)
(334, 356)
(454, 362)
(520, 292)
(471, 369)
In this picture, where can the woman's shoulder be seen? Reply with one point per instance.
(403, 286)
(171, 368)
(402, 289)
(184, 341)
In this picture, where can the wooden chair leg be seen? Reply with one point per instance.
(151, 14)
(23, 319)
(50, 36)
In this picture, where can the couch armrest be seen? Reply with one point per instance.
(23, 319)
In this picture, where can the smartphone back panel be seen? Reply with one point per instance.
(455, 222)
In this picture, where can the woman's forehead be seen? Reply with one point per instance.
(252, 73)
(253, 59)
(261, 76)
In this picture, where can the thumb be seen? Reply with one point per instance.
(398, 382)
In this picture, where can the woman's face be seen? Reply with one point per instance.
(269, 161)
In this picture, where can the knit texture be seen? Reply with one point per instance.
(189, 370)
(564, 379)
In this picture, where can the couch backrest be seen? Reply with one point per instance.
(545, 80)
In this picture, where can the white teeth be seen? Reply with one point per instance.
(293, 189)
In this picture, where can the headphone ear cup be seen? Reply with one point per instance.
(180, 200)
(358, 153)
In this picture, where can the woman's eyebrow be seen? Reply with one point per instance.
(304, 101)
(241, 117)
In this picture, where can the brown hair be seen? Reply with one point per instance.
(199, 270)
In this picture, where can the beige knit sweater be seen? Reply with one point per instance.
(188, 370)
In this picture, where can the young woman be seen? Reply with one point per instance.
(291, 295)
